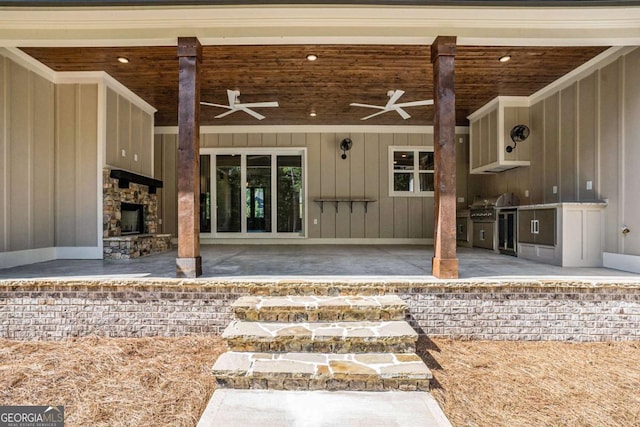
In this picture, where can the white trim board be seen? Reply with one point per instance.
(630, 263)
(600, 61)
(28, 256)
(173, 130)
(88, 252)
(259, 24)
(32, 256)
(75, 77)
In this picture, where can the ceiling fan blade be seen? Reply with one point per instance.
(416, 103)
(374, 114)
(259, 104)
(394, 97)
(402, 113)
(355, 104)
(215, 105)
(231, 96)
(251, 112)
(219, 116)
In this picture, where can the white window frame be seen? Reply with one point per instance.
(245, 151)
(416, 171)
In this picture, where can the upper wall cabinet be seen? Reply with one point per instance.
(490, 136)
(129, 132)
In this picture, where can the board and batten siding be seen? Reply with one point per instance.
(586, 131)
(129, 142)
(26, 159)
(76, 165)
(364, 173)
(166, 169)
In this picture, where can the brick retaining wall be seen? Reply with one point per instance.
(535, 310)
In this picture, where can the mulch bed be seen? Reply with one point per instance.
(167, 382)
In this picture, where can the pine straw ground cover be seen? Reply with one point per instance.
(166, 381)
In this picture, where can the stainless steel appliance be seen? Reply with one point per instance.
(507, 229)
(463, 228)
(484, 214)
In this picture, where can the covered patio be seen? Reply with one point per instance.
(371, 263)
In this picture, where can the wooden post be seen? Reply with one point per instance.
(189, 263)
(445, 263)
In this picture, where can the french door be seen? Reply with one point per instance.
(252, 193)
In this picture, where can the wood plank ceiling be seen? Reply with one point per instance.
(342, 74)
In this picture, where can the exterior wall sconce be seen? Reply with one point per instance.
(345, 145)
(518, 134)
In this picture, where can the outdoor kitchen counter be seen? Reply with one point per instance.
(568, 234)
(558, 205)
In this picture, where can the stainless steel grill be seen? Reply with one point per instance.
(484, 215)
(483, 209)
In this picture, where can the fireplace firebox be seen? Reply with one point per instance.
(132, 218)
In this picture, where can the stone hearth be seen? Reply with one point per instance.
(117, 246)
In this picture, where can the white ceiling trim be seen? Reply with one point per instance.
(600, 61)
(75, 77)
(596, 63)
(310, 24)
(240, 129)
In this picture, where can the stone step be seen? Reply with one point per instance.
(322, 337)
(318, 371)
(296, 308)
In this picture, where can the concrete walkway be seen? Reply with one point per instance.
(310, 261)
(270, 408)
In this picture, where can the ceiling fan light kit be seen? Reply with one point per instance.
(391, 105)
(233, 96)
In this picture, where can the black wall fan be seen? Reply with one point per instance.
(518, 134)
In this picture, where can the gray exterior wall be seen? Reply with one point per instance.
(587, 131)
(129, 131)
(49, 153)
(365, 173)
(76, 164)
(26, 159)
(48, 157)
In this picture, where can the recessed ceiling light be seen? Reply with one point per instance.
(312, 57)
(123, 60)
(505, 58)
(312, 113)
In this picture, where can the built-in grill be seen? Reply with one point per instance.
(484, 214)
(483, 209)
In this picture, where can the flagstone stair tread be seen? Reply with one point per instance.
(314, 371)
(358, 343)
(341, 337)
(319, 308)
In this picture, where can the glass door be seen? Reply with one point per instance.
(228, 193)
(290, 203)
(257, 193)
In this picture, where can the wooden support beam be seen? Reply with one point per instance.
(189, 263)
(445, 262)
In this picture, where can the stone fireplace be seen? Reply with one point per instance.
(130, 216)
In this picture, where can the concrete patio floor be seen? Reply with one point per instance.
(374, 262)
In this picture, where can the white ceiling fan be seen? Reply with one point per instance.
(391, 105)
(236, 105)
